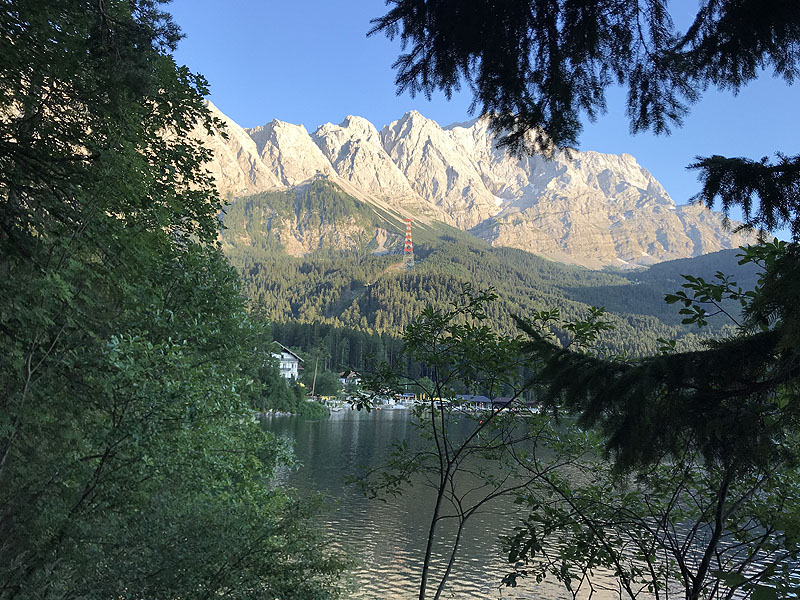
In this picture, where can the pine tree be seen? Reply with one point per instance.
(538, 67)
(126, 352)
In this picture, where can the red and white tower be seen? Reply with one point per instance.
(408, 248)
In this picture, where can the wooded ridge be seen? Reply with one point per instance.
(349, 282)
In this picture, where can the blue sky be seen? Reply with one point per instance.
(310, 62)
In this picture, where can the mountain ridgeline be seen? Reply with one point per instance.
(316, 224)
(583, 208)
(326, 269)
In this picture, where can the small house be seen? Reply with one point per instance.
(289, 362)
(349, 378)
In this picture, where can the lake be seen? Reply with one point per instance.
(387, 539)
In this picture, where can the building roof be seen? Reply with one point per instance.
(471, 398)
(285, 349)
(502, 400)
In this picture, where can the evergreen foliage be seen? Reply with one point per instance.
(129, 464)
(329, 295)
(738, 181)
(546, 61)
(537, 67)
(733, 401)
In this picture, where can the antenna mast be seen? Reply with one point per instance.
(408, 248)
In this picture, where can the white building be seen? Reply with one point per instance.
(289, 362)
(349, 378)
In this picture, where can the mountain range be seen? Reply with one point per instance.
(585, 208)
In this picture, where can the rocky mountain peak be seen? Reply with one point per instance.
(589, 208)
(411, 124)
(355, 151)
(361, 126)
(289, 152)
(236, 167)
(438, 169)
(351, 129)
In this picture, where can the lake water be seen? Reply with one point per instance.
(387, 539)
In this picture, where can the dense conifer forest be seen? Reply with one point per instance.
(354, 302)
(134, 358)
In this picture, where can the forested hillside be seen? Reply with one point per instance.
(347, 288)
(127, 356)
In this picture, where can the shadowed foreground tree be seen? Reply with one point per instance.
(128, 464)
(705, 444)
(538, 67)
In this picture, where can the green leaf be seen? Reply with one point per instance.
(732, 580)
(763, 592)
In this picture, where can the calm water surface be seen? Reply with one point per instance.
(388, 538)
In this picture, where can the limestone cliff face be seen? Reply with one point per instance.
(587, 208)
(601, 209)
(355, 150)
(590, 208)
(438, 169)
(237, 166)
(289, 152)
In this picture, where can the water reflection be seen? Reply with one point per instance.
(388, 538)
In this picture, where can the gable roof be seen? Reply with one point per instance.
(285, 349)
